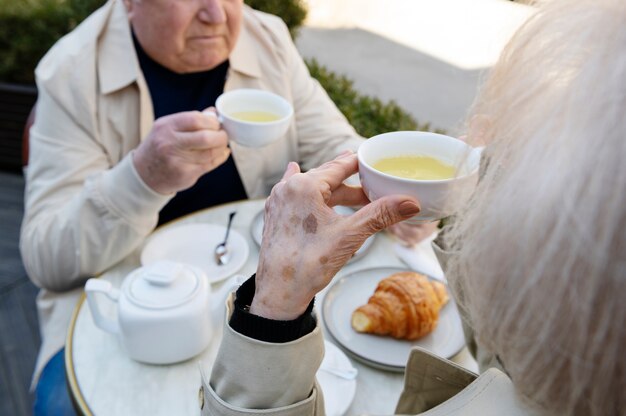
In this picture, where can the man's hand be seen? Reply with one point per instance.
(305, 242)
(179, 149)
(411, 234)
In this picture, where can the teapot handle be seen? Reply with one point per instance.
(94, 286)
(219, 298)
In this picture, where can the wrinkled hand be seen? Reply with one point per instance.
(411, 234)
(179, 149)
(305, 242)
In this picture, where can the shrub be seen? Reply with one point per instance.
(28, 28)
(293, 12)
(369, 115)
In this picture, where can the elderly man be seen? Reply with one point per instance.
(120, 142)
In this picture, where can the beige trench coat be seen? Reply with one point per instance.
(86, 206)
(249, 375)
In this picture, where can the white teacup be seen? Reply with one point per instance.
(438, 198)
(253, 133)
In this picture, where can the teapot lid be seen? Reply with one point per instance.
(163, 284)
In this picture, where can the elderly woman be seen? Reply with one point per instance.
(536, 259)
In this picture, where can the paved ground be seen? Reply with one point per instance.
(430, 89)
(426, 55)
(19, 330)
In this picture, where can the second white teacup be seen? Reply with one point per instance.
(438, 198)
(252, 117)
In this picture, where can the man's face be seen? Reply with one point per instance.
(186, 35)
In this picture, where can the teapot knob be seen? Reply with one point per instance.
(163, 273)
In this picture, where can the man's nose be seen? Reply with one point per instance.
(212, 11)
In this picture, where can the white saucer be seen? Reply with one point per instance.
(338, 392)
(256, 231)
(194, 244)
(353, 290)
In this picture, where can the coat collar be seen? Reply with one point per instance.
(244, 58)
(117, 64)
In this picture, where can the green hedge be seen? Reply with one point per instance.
(293, 12)
(28, 28)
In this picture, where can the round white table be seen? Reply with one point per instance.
(105, 381)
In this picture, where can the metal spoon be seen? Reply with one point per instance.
(222, 255)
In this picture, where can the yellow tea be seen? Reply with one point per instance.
(415, 167)
(255, 116)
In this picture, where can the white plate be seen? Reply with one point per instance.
(194, 244)
(256, 230)
(353, 290)
(338, 392)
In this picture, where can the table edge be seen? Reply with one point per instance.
(76, 394)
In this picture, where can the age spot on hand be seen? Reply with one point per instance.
(310, 224)
(323, 260)
(288, 273)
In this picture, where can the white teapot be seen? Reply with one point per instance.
(164, 311)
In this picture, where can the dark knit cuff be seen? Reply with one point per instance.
(263, 329)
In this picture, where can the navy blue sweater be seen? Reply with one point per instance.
(172, 93)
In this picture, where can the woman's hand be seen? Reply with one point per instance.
(305, 242)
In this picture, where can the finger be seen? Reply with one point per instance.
(292, 169)
(214, 119)
(191, 121)
(348, 195)
(336, 171)
(216, 158)
(206, 160)
(202, 140)
(384, 212)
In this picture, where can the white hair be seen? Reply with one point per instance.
(541, 262)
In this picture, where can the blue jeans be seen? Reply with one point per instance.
(51, 395)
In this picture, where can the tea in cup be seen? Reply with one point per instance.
(252, 117)
(432, 168)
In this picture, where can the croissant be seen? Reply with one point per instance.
(405, 305)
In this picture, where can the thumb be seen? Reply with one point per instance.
(385, 212)
(292, 169)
